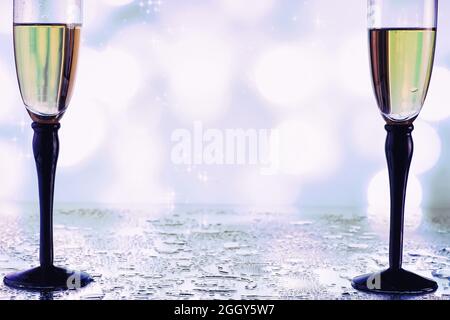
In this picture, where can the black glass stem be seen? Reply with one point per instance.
(399, 152)
(46, 276)
(46, 152)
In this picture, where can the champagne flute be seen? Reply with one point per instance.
(46, 44)
(402, 37)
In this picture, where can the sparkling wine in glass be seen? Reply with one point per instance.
(46, 62)
(46, 44)
(402, 41)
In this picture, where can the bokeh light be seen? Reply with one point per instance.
(379, 197)
(378, 211)
(199, 68)
(83, 131)
(7, 17)
(110, 77)
(117, 2)
(249, 10)
(136, 158)
(92, 16)
(306, 147)
(331, 18)
(427, 148)
(145, 50)
(286, 75)
(436, 107)
(11, 171)
(368, 132)
(353, 66)
(10, 93)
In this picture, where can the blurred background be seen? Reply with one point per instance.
(148, 68)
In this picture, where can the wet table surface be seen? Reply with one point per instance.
(195, 252)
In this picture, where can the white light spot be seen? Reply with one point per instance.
(287, 75)
(10, 96)
(354, 68)
(136, 158)
(379, 192)
(368, 132)
(92, 15)
(117, 3)
(436, 107)
(111, 76)
(306, 147)
(427, 148)
(199, 67)
(6, 22)
(326, 15)
(83, 131)
(248, 10)
(11, 169)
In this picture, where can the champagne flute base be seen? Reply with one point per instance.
(394, 282)
(48, 279)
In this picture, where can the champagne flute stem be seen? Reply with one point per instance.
(399, 152)
(46, 151)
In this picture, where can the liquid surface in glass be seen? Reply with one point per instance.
(46, 60)
(402, 62)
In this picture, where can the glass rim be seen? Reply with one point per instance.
(54, 12)
(378, 19)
